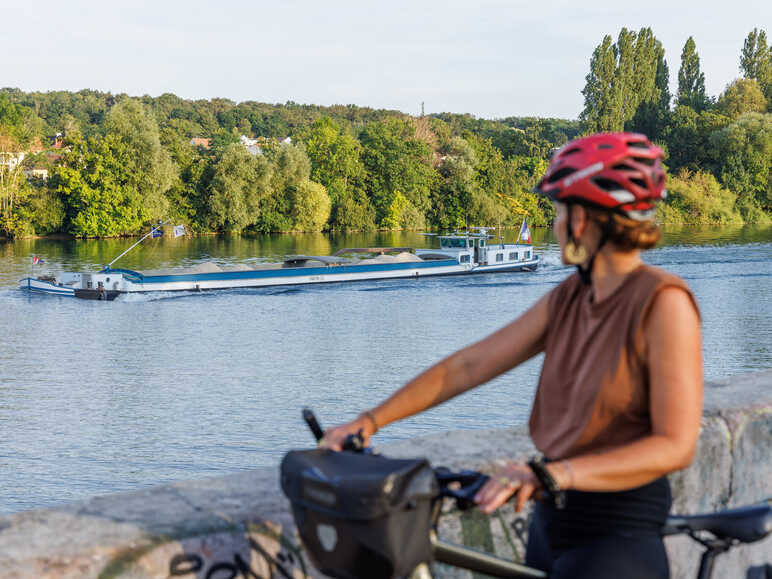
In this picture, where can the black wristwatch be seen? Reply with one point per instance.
(551, 487)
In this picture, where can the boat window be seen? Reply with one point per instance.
(464, 259)
(528, 255)
(482, 243)
(499, 257)
(513, 256)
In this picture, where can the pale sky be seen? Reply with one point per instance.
(490, 58)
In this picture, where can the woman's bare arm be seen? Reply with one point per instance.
(459, 372)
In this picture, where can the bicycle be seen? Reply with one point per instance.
(342, 541)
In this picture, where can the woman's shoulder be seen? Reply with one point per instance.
(658, 282)
(658, 276)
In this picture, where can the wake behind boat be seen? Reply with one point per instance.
(459, 253)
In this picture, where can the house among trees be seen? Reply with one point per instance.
(202, 142)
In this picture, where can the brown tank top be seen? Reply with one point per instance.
(593, 391)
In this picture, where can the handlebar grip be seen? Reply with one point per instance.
(313, 423)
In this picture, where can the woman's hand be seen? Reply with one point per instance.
(508, 479)
(335, 437)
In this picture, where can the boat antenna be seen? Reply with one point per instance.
(153, 228)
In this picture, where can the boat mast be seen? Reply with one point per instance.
(143, 238)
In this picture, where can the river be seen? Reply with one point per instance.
(99, 397)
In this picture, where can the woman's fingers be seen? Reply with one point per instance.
(523, 496)
(497, 498)
(495, 493)
(512, 478)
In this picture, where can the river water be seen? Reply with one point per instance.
(99, 397)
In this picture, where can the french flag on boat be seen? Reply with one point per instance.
(525, 233)
(36, 260)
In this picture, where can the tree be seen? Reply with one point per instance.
(395, 160)
(622, 78)
(453, 200)
(310, 206)
(336, 164)
(742, 96)
(290, 167)
(653, 115)
(696, 198)
(100, 193)
(756, 61)
(149, 166)
(239, 185)
(743, 150)
(601, 91)
(688, 138)
(691, 81)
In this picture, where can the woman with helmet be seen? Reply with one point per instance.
(619, 399)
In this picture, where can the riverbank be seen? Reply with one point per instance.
(194, 527)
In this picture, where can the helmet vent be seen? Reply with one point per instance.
(638, 145)
(570, 152)
(640, 182)
(607, 184)
(644, 161)
(623, 167)
(560, 173)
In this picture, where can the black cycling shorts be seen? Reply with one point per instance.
(602, 535)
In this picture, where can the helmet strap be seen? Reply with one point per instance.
(585, 273)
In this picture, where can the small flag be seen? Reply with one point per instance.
(179, 230)
(158, 232)
(525, 233)
(36, 260)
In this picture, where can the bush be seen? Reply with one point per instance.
(698, 199)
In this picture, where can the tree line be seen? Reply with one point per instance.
(719, 150)
(125, 162)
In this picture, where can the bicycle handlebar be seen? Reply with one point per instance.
(469, 481)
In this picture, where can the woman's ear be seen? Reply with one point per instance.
(579, 219)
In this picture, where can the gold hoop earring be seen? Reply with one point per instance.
(575, 254)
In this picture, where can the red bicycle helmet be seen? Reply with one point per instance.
(617, 171)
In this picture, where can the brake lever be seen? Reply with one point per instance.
(313, 423)
(356, 443)
(471, 482)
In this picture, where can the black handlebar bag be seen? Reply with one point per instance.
(360, 515)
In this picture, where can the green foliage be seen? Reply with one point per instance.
(100, 193)
(744, 149)
(691, 81)
(627, 83)
(290, 167)
(394, 160)
(742, 96)
(653, 115)
(601, 91)
(240, 185)
(402, 214)
(698, 199)
(148, 164)
(756, 61)
(353, 212)
(688, 138)
(310, 206)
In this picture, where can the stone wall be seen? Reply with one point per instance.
(239, 525)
